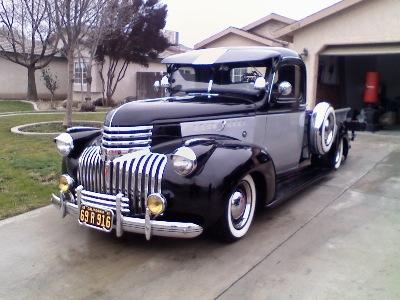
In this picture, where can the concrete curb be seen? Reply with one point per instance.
(17, 129)
(35, 107)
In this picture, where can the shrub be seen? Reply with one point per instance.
(88, 106)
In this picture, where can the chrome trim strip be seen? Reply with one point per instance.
(112, 117)
(136, 128)
(137, 225)
(126, 135)
(123, 143)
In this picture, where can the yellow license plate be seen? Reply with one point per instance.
(96, 217)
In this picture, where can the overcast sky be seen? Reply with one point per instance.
(196, 20)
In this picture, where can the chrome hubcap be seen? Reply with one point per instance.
(329, 126)
(238, 205)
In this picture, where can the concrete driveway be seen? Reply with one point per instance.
(340, 239)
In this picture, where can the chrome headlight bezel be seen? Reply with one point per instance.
(184, 161)
(64, 143)
(156, 204)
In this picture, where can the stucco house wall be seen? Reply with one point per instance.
(14, 80)
(126, 87)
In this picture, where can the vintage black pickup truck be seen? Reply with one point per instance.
(233, 134)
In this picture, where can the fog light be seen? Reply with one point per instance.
(66, 183)
(156, 203)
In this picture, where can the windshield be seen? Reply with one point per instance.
(235, 78)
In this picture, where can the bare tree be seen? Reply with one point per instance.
(73, 20)
(102, 26)
(26, 37)
(51, 83)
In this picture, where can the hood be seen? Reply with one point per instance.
(173, 109)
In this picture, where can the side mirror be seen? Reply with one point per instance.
(260, 84)
(285, 88)
(165, 82)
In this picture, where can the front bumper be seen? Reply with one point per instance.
(136, 225)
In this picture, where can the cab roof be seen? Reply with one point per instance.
(229, 54)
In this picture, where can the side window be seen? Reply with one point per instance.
(293, 75)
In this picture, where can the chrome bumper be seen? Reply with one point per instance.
(135, 225)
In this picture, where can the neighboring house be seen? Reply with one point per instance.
(136, 84)
(14, 78)
(339, 45)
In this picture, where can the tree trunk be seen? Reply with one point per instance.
(52, 103)
(89, 80)
(32, 92)
(70, 92)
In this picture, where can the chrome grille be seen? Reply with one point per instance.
(105, 201)
(117, 141)
(136, 175)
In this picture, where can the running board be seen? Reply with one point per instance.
(289, 185)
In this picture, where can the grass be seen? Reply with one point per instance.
(14, 106)
(29, 165)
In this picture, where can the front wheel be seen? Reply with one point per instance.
(239, 212)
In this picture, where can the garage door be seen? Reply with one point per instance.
(345, 50)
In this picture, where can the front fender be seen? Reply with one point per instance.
(221, 165)
(82, 137)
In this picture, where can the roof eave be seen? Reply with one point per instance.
(266, 19)
(331, 10)
(232, 30)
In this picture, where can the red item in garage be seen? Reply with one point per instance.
(371, 87)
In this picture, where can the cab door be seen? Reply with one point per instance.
(286, 116)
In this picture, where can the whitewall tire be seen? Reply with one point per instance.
(239, 212)
(323, 128)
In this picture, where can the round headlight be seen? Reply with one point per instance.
(66, 183)
(64, 143)
(184, 161)
(156, 204)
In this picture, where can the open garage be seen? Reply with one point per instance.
(343, 73)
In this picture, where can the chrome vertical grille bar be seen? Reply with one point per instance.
(92, 175)
(135, 175)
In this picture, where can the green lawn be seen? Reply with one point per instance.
(14, 106)
(29, 165)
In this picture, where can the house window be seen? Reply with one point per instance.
(80, 72)
(237, 74)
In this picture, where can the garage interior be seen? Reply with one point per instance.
(342, 81)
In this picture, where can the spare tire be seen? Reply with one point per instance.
(323, 128)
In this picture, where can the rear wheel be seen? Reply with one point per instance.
(338, 155)
(239, 212)
(331, 160)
